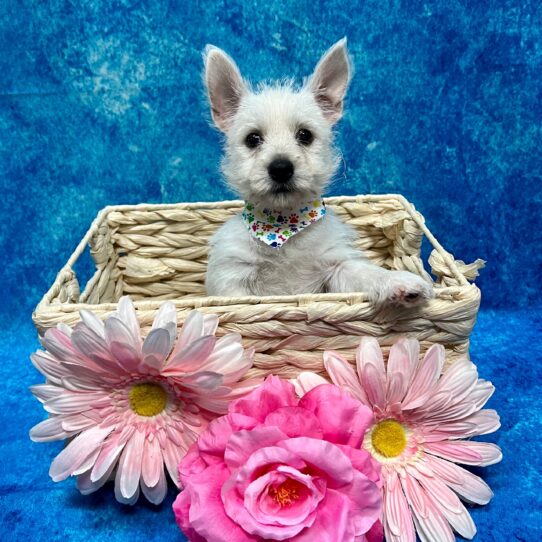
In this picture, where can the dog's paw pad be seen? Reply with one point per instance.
(406, 296)
(409, 290)
(411, 296)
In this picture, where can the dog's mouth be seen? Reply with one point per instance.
(283, 189)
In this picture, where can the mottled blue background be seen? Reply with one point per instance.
(101, 103)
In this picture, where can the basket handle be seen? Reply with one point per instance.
(449, 271)
(440, 267)
(65, 288)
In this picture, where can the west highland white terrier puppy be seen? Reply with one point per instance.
(279, 157)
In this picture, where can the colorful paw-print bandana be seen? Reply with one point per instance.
(275, 227)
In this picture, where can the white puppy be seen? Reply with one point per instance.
(279, 157)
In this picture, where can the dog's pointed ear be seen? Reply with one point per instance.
(224, 83)
(330, 79)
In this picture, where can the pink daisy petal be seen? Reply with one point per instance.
(192, 357)
(449, 505)
(120, 497)
(424, 378)
(459, 379)
(481, 393)
(467, 485)
(48, 430)
(172, 455)
(431, 525)
(70, 402)
(398, 525)
(86, 486)
(86, 466)
(116, 331)
(467, 452)
(156, 347)
(107, 460)
(89, 345)
(153, 463)
(44, 392)
(369, 352)
(93, 323)
(343, 375)
(49, 368)
(156, 493)
(166, 318)
(130, 465)
(77, 451)
(202, 381)
(373, 383)
(229, 358)
(210, 324)
(400, 365)
(59, 344)
(483, 422)
(127, 314)
(192, 330)
(126, 356)
(77, 422)
(306, 381)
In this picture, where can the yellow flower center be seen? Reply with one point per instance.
(286, 493)
(147, 399)
(389, 438)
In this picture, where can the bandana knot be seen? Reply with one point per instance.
(274, 227)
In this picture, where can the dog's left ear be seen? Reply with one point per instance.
(330, 79)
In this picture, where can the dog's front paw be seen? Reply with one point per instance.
(406, 289)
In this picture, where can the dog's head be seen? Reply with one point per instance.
(279, 148)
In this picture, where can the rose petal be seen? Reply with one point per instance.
(206, 514)
(295, 422)
(343, 419)
(242, 444)
(271, 395)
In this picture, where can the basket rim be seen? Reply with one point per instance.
(196, 302)
(47, 306)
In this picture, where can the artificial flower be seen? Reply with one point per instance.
(279, 468)
(131, 406)
(423, 417)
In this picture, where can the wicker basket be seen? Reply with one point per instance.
(157, 252)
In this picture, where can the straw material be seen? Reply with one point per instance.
(157, 252)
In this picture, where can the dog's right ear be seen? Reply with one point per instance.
(225, 86)
(330, 80)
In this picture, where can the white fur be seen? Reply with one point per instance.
(320, 258)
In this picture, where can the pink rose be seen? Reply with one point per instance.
(279, 468)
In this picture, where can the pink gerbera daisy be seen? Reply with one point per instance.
(131, 406)
(422, 418)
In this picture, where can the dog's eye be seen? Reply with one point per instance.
(253, 140)
(304, 136)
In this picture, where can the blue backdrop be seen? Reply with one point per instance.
(101, 102)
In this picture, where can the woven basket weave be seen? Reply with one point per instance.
(157, 252)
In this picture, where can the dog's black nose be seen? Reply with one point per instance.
(281, 170)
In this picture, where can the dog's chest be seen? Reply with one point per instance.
(296, 267)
